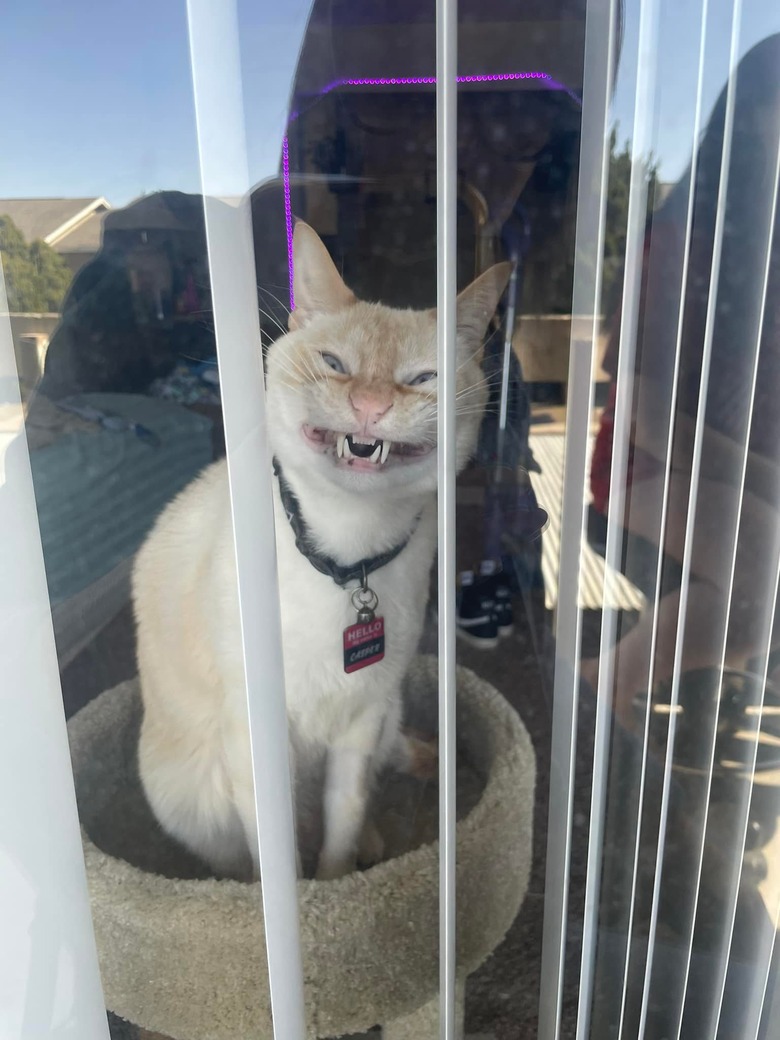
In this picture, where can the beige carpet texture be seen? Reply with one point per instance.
(183, 954)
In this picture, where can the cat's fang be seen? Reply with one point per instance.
(345, 450)
(385, 452)
(377, 452)
(340, 439)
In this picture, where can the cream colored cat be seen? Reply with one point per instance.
(352, 422)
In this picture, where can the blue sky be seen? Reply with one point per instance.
(678, 58)
(98, 97)
(96, 104)
(101, 103)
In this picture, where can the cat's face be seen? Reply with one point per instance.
(352, 388)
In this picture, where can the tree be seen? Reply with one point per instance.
(616, 217)
(36, 278)
(551, 289)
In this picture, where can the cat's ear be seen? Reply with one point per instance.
(317, 285)
(477, 305)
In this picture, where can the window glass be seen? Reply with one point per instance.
(617, 554)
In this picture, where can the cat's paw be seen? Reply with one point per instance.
(330, 870)
(422, 756)
(372, 846)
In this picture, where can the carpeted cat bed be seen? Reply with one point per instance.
(183, 954)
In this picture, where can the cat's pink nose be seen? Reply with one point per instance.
(369, 405)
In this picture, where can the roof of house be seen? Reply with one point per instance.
(68, 225)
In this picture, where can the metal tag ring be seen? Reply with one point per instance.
(364, 598)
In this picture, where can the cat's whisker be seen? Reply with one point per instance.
(467, 409)
(275, 298)
(464, 364)
(469, 358)
(291, 375)
(316, 377)
(280, 358)
(476, 405)
(293, 369)
(470, 391)
(200, 361)
(273, 319)
(300, 364)
(469, 399)
(290, 378)
(480, 349)
(464, 415)
(281, 322)
(266, 287)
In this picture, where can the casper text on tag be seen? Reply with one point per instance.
(364, 644)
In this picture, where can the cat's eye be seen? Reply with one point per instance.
(333, 362)
(422, 377)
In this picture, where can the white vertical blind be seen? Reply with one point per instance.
(695, 136)
(765, 210)
(446, 286)
(214, 48)
(759, 1008)
(49, 979)
(691, 510)
(693, 998)
(600, 42)
(641, 147)
(764, 950)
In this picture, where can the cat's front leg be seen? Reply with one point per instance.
(345, 801)
(238, 751)
(245, 803)
(349, 774)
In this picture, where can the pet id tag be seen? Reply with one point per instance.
(364, 642)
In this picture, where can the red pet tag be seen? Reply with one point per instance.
(364, 642)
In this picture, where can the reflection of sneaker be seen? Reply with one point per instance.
(476, 618)
(496, 583)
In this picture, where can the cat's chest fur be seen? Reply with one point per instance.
(316, 611)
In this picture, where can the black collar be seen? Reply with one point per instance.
(325, 564)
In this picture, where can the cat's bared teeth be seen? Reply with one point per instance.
(377, 452)
(385, 452)
(340, 441)
(345, 450)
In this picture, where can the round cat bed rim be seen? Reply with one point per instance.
(472, 819)
(140, 913)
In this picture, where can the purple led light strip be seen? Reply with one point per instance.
(288, 221)
(392, 81)
(416, 81)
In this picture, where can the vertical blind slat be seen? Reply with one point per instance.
(732, 899)
(48, 963)
(755, 1000)
(730, 597)
(446, 285)
(641, 147)
(691, 512)
(214, 49)
(565, 706)
(695, 135)
(600, 41)
(758, 1009)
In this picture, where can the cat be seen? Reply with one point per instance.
(351, 410)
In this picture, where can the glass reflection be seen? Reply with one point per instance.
(116, 354)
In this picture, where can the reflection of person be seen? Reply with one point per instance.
(736, 331)
(139, 305)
